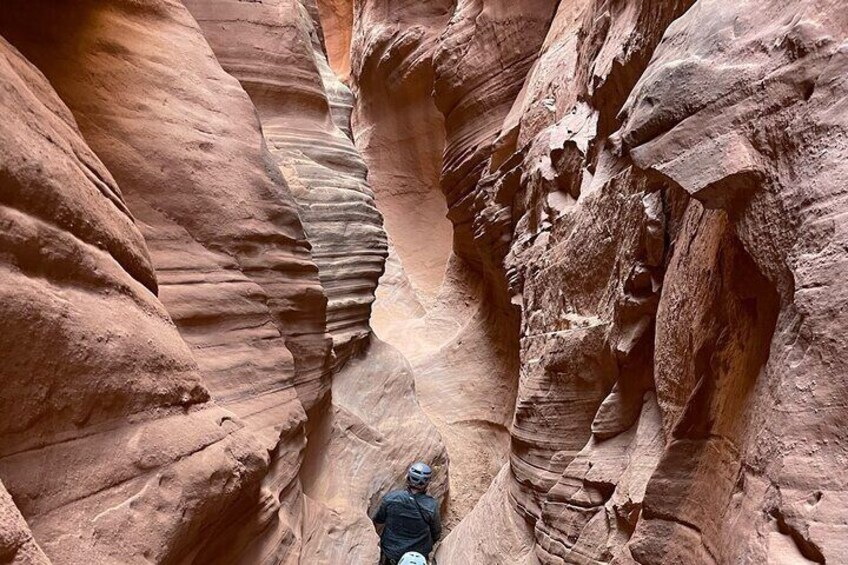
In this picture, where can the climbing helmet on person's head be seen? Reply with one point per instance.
(412, 558)
(419, 475)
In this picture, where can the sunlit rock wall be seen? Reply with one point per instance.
(434, 305)
(276, 51)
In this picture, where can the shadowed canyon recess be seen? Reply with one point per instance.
(585, 258)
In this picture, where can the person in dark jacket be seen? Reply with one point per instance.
(409, 518)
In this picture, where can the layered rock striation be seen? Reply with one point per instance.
(275, 49)
(433, 304)
(112, 447)
(610, 256)
(655, 244)
(243, 278)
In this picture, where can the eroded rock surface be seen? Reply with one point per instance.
(611, 314)
(276, 52)
(433, 304)
(359, 450)
(225, 234)
(656, 244)
(756, 447)
(399, 130)
(112, 448)
(17, 546)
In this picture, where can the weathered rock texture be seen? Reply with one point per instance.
(274, 49)
(17, 545)
(360, 450)
(615, 278)
(664, 185)
(236, 266)
(482, 59)
(111, 446)
(757, 447)
(432, 303)
(399, 129)
(233, 265)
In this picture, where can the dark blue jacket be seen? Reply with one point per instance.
(407, 529)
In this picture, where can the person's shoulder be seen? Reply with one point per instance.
(395, 495)
(430, 502)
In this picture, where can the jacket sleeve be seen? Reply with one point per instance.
(380, 516)
(436, 525)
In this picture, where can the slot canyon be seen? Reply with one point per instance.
(582, 257)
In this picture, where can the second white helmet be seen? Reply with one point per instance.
(412, 558)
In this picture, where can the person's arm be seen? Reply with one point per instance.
(436, 525)
(379, 517)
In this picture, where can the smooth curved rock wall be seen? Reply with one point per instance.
(337, 21)
(203, 162)
(112, 448)
(399, 130)
(432, 304)
(225, 233)
(17, 546)
(275, 50)
(483, 56)
(627, 330)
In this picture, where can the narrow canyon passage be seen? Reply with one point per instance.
(431, 304)
(587, 259)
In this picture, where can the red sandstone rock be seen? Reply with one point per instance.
(111, 447)
(722, 120)
(757, 447)
(274, 49)
(17, 546)
(431, 305)
(237, 271)
(198, 156)
(399, 130)
(627, 330)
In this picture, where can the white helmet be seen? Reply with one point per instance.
(419, 475)
(412, 558)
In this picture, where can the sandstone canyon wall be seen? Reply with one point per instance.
(585, 257)
(655, 176)
(234, 268)
(113, 449)
(625, 174)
